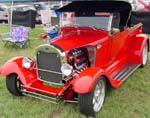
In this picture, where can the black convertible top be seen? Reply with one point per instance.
(90, 7)
(96, 6)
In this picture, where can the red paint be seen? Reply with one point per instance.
(79, 37)
(112, 52)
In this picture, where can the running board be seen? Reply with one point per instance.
(126, 71)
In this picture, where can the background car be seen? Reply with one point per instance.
(140, 5)
(3, 13)
(22, 7)
(39, 6)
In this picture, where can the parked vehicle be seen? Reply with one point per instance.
(141, 5)
(55, 6)
(22, 7)
(3, 13)
(40, 6)
(96, 47)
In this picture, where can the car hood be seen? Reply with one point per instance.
(79, 38)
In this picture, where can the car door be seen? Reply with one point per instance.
(119, 43)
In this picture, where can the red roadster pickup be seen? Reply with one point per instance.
(97, 46)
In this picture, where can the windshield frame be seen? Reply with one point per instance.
(78, 25)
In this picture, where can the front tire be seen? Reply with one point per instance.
(13, 84)
(144, 55)
(91, 103)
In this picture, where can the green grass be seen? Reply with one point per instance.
(131, 100)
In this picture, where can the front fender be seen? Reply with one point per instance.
(85, 82)
(14, 65)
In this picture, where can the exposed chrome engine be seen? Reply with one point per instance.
(78, 59)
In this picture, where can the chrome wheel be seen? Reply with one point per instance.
(99, 95)
(145, 55)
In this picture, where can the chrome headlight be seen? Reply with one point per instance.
(26, 62)
(66, 69)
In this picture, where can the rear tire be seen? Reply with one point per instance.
(13, 84)
(144, 55)
(91, 103)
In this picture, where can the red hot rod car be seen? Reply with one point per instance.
(97, 46)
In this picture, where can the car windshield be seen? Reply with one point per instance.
(98, 21)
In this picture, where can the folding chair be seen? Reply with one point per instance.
(17, 37)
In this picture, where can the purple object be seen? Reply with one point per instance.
(19, 34)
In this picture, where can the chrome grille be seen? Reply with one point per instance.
(49, 65)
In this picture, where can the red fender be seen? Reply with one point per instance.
(85, 82)
(15, 66)
(136, 47)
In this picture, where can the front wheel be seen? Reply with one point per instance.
(92, 102)
(13, 84)
(144, 55)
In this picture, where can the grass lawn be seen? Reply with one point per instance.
(131, 100)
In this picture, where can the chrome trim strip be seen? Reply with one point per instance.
(45, 98)
(122, 76)
(47, 48)
(34, 96)
(110, 23)
(130, 73)
(39, 90)
(39, 94)
(50, 71)
(71, 101)
(59, 84)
